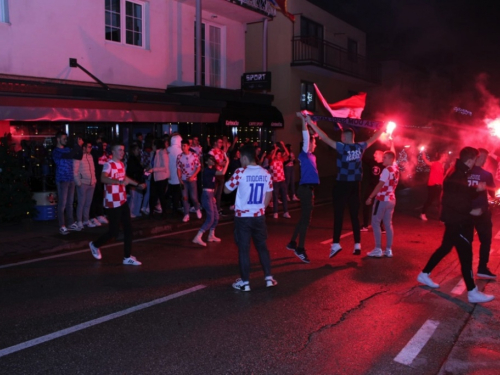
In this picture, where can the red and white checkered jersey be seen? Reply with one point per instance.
(252, 182)
(390, 177)
(188, 164)
(277, 170)
(220, 160)
(114, 194)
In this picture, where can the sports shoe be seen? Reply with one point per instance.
(287, 198)
(292, 245)
(424, 278)
(96, 253)
(295, 198)
(301, 254)
(96, 222)
(388, 253)
(102, 219)
(270, 282)
(192, 209)
(423, 217)
(89, 223)
(280, 201)
(74, 226)
(286, 215)
(357, 249)
(185, 219)
(363, 229)
(198, 214)
(80, 225)
(334, 249)
(212, 238)
(244, 286)
(275, 215)
(198, 240)
(132, 261)
(375, 253)
(145, 211)
(475, 296)
(63, 230)
(485, 273)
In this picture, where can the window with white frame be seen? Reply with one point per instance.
(4, 11)
(212, 52)
(126, 22)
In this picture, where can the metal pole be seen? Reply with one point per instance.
(198, 43)
(264, 46)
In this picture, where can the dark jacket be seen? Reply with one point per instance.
(134, 169)
(456, 202)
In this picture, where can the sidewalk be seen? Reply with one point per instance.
(36, 238)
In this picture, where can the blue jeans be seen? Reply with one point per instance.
(65, 199)
(210, 205)
(246, 228)
(190, 191)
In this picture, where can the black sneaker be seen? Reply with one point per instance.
(292, 245)
(486, 274)
(301, 254)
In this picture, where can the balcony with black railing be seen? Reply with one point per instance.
(319, 52)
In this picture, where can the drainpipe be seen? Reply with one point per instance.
(198, 43)
(264, 46)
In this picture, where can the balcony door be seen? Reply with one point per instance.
(213, 64)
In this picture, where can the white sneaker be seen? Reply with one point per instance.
(375, 253)
(89, 223)
(423, 217)
(96, 222)
(335, 249)
(63, 230)
(80, 225)
(185, 219)
(96, 253)
(74, 226)
(388, 253)
(286, 215)
(270, 282)
(239, 284)
(132, 261)
(198, 214)
(102, 219)
(424, 278)
(295, 198)
(279, 201)
(275, 215)
(475, 296)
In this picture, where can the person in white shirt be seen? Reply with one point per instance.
(254, 191)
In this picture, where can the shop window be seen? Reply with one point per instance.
(4, 11)
(126, 22)
(212, 52)
(307, 96)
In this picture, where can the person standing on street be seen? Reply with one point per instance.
(115, 201)
(188, 167)
(218, 151)
(482, 223)
(435, 182)
(278, 156)
(290, 174)
(85, 181)
(309, 179)
(457, 214)
(254, 190)
(160, 172)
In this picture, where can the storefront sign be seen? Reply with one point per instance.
(256, 81)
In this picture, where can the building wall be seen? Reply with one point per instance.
(43, 35)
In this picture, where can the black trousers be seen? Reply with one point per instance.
(460, 236)
(96, 208)
(306, 196)
(484, 227)
(157, 191)
(346, 192)
(433, 194)
(174, 191)
(116, 216)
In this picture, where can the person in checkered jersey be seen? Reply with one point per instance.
(115, 202)
(346, 188)
(278, 156)
(254, 189)
(385, 202)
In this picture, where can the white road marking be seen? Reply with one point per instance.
(330, 240)
(90, 323)
(459, 288)
(417, 342)
(497, 236)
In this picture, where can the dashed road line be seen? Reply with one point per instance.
(90, 323)
(417, 342)
(497, 236)
(459, 288)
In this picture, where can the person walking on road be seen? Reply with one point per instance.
(385, 202)
(309, 179)
(482, 223)
(457, 214)
(346, 189)
(208, 201)
(254, 190)
(115, 201)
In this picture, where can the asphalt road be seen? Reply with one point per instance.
(177, 313)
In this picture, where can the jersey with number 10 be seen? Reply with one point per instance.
(252, 182)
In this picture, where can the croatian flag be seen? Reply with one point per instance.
(347, 108)
(281, 5)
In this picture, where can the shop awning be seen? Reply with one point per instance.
(246, 114)
(14, 108)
